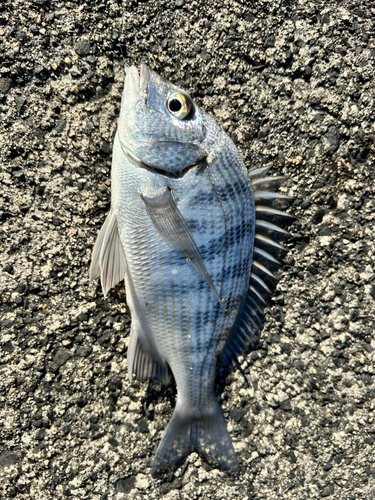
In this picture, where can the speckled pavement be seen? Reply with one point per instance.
(292, 82)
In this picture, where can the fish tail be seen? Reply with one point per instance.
(204, 432)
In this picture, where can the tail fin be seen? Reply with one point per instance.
(204, 432)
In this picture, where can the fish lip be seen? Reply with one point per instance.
(156, 170)
(138, 80)
(144, 77)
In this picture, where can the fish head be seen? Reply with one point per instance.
(159, 126)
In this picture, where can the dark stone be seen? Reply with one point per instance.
(30, 321)
(281, 158)
(318, 216)
(338, 458)
(305, 422)
(8, 458)
(8, 346)
(327, 466)
(318, 184)
(143, 425)
(237, 413)
(106, 148)
(324, 230)
(60, 127)
(20, 101)
(287, 348)
(115, 383)
(248, 428)
(264, 132)
(21, 36)
(41, 434)
(83, 317)
(105, 340)
(270, 42)
(39, 134)
(113, 442)
(333, 139)
(65, 430)
(249, 18)
(5, 84)
(326, 492)
(125, 485)
(176, 484)
(61, 357)
(285, 405)
(81, 401)
(9, 269)
(94, 418)
(97, 436)
(38, 424)
(83, 351)
(82, 48)
(79, 338)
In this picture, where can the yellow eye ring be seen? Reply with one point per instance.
(180, 105)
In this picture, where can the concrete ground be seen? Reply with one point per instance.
(292, 82)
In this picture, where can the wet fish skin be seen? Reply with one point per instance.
(181, 228)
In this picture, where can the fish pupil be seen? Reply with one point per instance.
(175, 105)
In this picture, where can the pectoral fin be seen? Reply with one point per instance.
(170, 224)
(108, 257)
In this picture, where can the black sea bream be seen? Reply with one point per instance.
(185, 220)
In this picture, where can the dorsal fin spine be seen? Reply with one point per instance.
(268, 233)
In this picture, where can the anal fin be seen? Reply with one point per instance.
(108, 259)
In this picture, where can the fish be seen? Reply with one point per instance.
(197, 240)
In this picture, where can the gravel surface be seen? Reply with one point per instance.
(293, 84)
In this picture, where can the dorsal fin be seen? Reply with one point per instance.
(269, 237)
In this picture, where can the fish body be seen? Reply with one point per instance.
(181, 233)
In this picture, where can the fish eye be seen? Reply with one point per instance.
(180, 105)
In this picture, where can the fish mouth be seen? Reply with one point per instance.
(137, 81)
(144, 76)
(178, 175)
